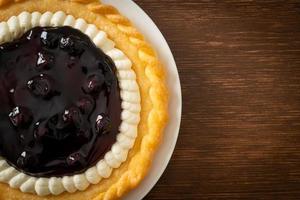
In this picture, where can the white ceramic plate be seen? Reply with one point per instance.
(147, 27)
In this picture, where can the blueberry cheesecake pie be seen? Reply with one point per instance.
(83, 101)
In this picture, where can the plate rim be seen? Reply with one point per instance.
(149, 181)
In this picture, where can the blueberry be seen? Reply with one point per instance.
(84, 134)
(22, 160)
(73, 115)
(40, 86)
(103, 124)
(49, 40)
(68, 44)
(94, 84)
(58, 129)
(86, 105)
(75, 159)
(44, 60)
(53, 121)
(20, 117)
(27, 159)
(40, 131)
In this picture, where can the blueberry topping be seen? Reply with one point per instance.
(12, 90)
(84, 134)
(68, 44)
(44, 61)
(23, 159)
(48, 39)
(27, 159)
(75, 159)
(94, 84)
(20, 117)
(86, 105)
(53, 91)
(84, 70)
(59, 129)
(40, 86)
(103, 124)
(73, 115)
(40, 132)
(71, 65)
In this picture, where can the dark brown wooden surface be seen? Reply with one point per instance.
(239, 63)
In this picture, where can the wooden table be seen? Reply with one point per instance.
(239, 63)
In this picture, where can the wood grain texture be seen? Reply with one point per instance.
(239, 63)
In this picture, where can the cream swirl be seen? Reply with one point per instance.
(130, 116)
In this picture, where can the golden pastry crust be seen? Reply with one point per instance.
(150, 77)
